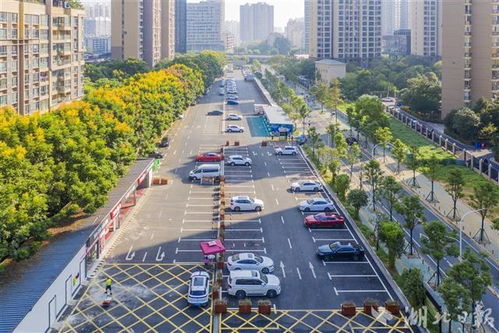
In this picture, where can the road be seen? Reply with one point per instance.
(171, 220)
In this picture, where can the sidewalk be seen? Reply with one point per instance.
(442, 208)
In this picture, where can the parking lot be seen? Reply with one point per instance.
(170, 221)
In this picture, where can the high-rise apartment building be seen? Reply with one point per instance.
(294, 32)
(403, 14)
(257, 21)
(180, 26)
(233, 28)
(425, 24)
(141, 30)
(470, 52)
(348, 30)
(204, 25)
(167, 29)
(41, 54)
(97, 28)
(389, 15)
(307, 10)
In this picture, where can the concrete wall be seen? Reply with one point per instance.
(329, 72)
(56, 298)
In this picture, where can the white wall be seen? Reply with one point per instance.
(56, 297)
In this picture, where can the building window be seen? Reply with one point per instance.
(3, 67)
(3, 17)
(3, 34)
(3, 99)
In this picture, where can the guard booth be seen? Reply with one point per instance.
(278, 122)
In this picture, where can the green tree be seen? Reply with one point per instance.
(473, 273)
(334, 167)
(455, 186)
(340, 144)
(412, 285)
(353, 156)
(332, 129)
(431, 167)
(390, 190)
(334, 97)
(314, 139)
(413, 212)
(485, 198)
(341, 184)
(457, 299)
(374, 175)
(358, 199)
(303, 112)
(369, 115)
(463, 123)
(438, 243)
(423, 96)
(319, 92)
(413, 162)
(392, 235)
(383, 137)
(399, 151)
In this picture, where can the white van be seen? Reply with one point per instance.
(205, 170)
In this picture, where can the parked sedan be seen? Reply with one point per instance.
(233, 116)
(238, 160)
(209, 157)
(165, 142)
(250, 261)
(287, 150)
(232, 102)
(316, 205)
(306, 185)
(337, 250)
(235, 128)
(244, 202)
(324, 220)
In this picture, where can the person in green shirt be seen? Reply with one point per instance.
(108, 286)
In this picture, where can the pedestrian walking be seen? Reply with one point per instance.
(108, 286)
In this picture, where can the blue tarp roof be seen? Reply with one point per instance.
(22, 285)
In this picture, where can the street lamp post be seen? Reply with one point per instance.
(461, 230)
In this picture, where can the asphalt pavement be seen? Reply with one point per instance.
(171, 220)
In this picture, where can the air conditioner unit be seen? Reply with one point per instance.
(66, 4)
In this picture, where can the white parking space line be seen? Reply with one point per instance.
(289, 243)
(327, 230)
(246, 250)
(362, 291)
(235, 172)
(372, 267)
(195, 239)
(230, 220)
(196, 229)
(245, 240)
(282, 220)
(180, 251)
(238, 186)
(277, 201)
(298, 271)
(198, 213)
(243, 230)
(331, 239)
(344, 262)
(197, 205)
(352, 276)
(201, 198)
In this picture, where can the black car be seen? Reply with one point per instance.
(157, 155)
(165, 142)
(351, 140)
(337, 250)
(215, 113)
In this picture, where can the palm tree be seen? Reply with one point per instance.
(303, 113)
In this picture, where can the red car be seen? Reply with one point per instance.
(324, 220)
(209, 157)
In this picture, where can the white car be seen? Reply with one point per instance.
(250, 261)
(253, 283)
(221, 91)
(306, 185)
(238, 160)
(199, 289)
(233, 116)
(316, 205)
(243, 202)
(286, 150)
(388, 99)
(232, 96)
(235, 128)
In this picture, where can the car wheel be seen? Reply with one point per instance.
(229, 130)
(327, 209)
(258, 208)
(307, 209)
(232, 163)
(265, 270)
(316, 189)
(297, 189)
(240, 294)
(247, 164)
(271, 293)
(237, 268)
(279, 153)
(294, 153)
(237, 209)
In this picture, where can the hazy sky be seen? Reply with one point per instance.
(283, 9)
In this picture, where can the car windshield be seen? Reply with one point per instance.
(333, 246)
(264, 278)
(259, 259)
(235, 257)
(310, 201)
(197, 292)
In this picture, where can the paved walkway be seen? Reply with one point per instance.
(442, 207)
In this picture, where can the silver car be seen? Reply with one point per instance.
(238, 160)
(250, 261)
(316, 205)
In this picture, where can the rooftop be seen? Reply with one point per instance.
(23, 284)
(330, 62)
(276, 115)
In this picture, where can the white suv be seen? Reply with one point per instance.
(235, 128)
(286, 150)
(238, 160)
(250, 261)
(199, 289)
(253, 283)
(244, 202)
